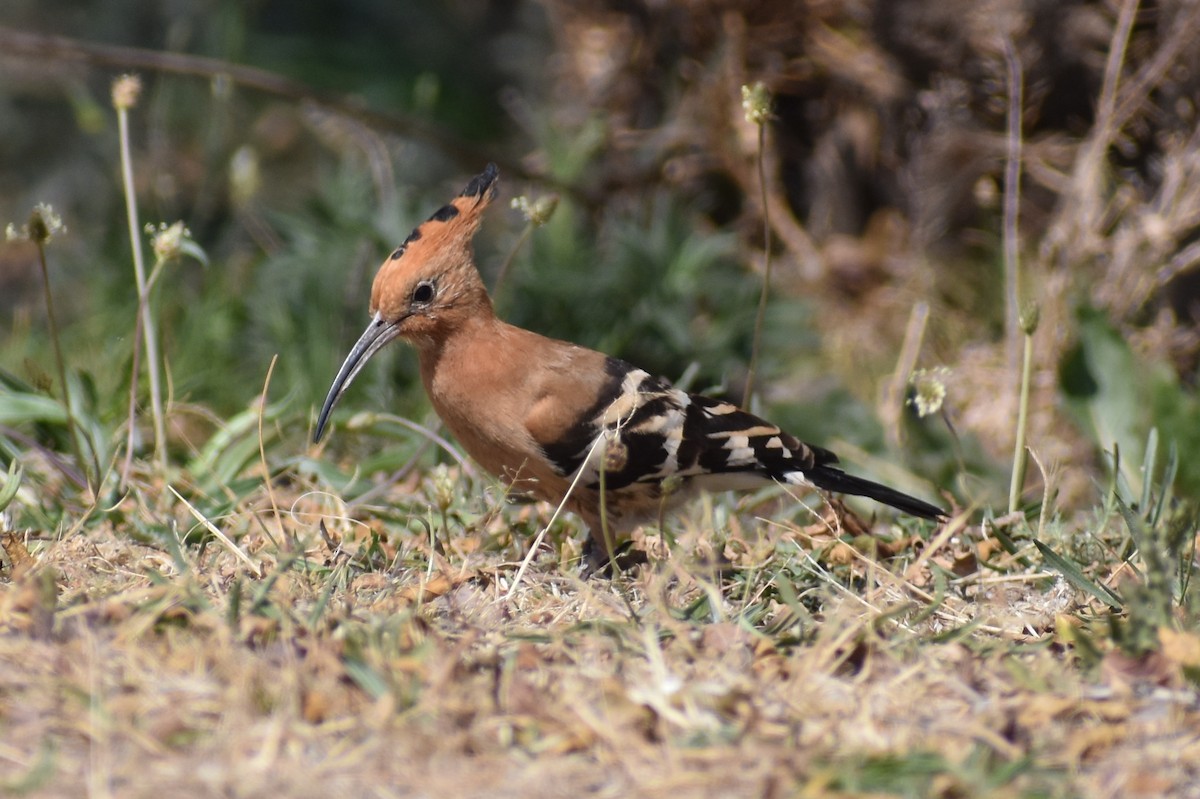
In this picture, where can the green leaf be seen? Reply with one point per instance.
(24, 408)
(1075, 576)
(1148, 463)
(189, 247)
(12, 482)
(1103, 380)
(236, 444)
(367, 678)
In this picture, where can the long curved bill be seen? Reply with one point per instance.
(377, 335)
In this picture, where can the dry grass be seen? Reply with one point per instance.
(361, 664)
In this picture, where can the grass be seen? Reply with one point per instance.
(376, 650)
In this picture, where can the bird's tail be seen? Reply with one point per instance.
(829, 478)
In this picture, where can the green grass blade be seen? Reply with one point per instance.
(18, 409)
(1148, 463)
(12, 482)
(1075, 576)
(1168, 480)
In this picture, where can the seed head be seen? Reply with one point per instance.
(244, 175)
(538, 212)
(756, 102)
(443, 487)
(1029, 317)
(173, 241)
(43, 225)
(929, 390)
(125, 92)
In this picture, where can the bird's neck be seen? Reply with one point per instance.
(468, 337)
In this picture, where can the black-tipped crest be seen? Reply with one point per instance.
(485, 181)
(444, 214)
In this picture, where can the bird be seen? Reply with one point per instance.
(561, 422)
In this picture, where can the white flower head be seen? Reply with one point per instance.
(929, 390)
(125, 92)
(173, 241)
(756, 103)
(43, 225)
(538, 212)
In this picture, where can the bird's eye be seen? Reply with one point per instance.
(423, 293)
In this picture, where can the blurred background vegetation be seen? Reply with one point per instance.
(301, 143)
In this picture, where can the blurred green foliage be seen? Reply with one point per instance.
(1118, 398)
(296, 206)
(293, 256)
(643, 284)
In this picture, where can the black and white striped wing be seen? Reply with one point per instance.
(643, 430)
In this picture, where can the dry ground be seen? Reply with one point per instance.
(345, 664)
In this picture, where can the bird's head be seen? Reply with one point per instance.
(426, 286)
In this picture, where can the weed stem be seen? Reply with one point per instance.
(766, 282)
(1014, 321)
(1019, 459)
(62, 374)
(146, 318)
(506, 267)
(1012, 201)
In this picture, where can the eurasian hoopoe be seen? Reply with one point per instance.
(557, 420)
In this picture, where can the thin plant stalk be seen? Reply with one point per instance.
(599, 441)
(144, 315)
(1015, 322)
(262, 452)
(609, 545)
(1012, 200)
(135, 370)
(1019, 460)
(60, 363)
(133, 386)
(537, 213)
(506, 267)
(760, 316)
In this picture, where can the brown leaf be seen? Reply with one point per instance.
(436, 586)
(29, 605)
(18, 554)
(371, 581)
(964, 564)
(847, 520)
(1181, 648)
(840, 554)
(1041, 709)
(1144, 783)
(988, 547)
(890, 549)
(317, 705)
(1123, 672)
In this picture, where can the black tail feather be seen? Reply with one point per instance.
(829, 478)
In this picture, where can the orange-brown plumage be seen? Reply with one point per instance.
(543, 414)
